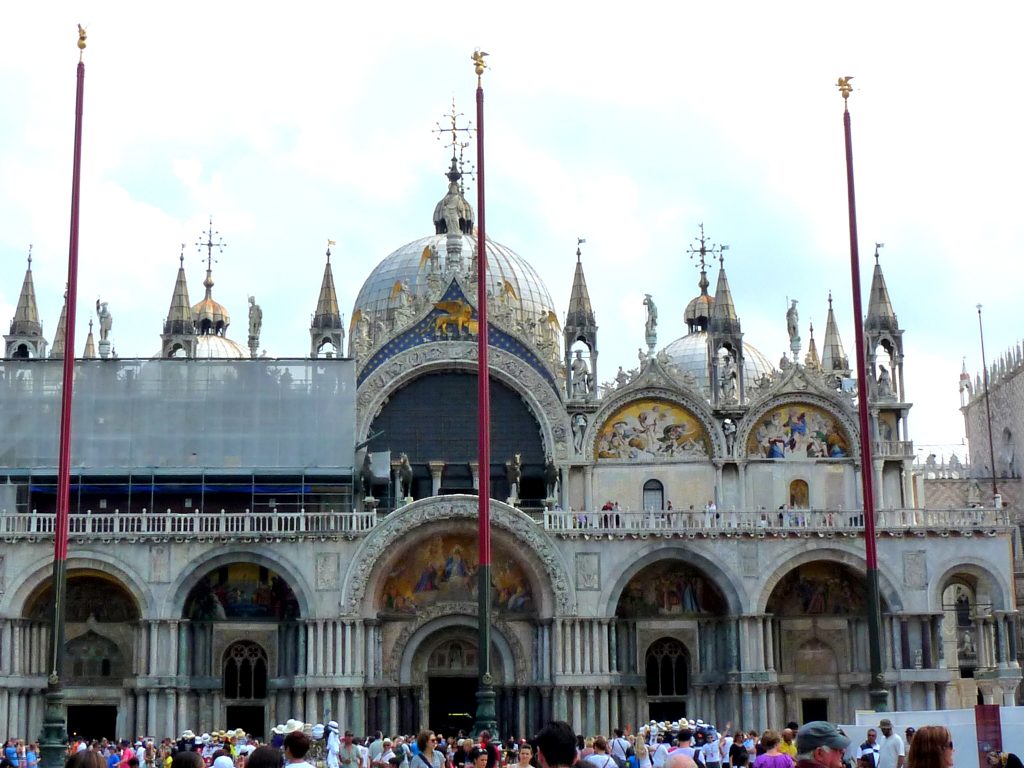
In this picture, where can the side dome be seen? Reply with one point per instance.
(416, 275)
(690, 355)
(220, 347)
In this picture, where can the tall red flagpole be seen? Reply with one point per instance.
(53, 739)
(485, 713)
(877, 691)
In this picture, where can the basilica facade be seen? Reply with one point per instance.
(686, 539)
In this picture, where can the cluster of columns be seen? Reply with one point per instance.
(590, 646)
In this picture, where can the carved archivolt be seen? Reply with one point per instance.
(399, 524)
(434, 612)
(536, 392)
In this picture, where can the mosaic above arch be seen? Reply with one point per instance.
(243, 591)
(444, 568)
(818, 588)
(798, 431)
(89, 595)
(651, 428)
(670, 588)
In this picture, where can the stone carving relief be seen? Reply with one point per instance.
(915, 570)
(588, 571)
(326, 571)
(398, 525)
(159, 564)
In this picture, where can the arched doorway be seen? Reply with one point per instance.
(101, 624)
(242, 627)
(818, 635)
(244, 674)
(452, 685)
(654, 496)
(660, 604)
(667, 669)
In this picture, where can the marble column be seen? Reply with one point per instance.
(436, 468)
(591, 714)
(605, 666)
(171, 713)
(769, 646)
(341, 710)
(747, 704)
(5, 649)
(474, 469)
(588, 489)
(577, 661)
(577, 710)
(879, 487)
(741, 468)
(556, 645)
(347, 661)
(358, 722)
(604, 710)
(613, 648)
(762, 709)
(614, 710)
(563, 488)
(153, 634)
(183, 718)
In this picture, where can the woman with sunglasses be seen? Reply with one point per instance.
(429, 756)
(932, 747)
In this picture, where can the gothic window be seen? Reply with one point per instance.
(654, 495)
(668, 668)
(94, 659)
(245, 671)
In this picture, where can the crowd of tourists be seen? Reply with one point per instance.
(678, 744)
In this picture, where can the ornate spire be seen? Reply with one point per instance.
(880, 312)
(179, 316)
(90, 345)
(453, 214)
(811, 358)
(723, 312)
(581, 312)
(698, 311)
(57, 348)
(327, 314)
(833, 356)
(26, 316)
(210, 317)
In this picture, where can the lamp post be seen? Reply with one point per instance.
(988, 409)
(877, 691)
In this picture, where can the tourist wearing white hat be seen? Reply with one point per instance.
(333, 744)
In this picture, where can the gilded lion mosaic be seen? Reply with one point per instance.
(651, 429)
(443, 569)
(798, 431)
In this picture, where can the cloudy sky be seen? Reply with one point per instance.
(628, 126)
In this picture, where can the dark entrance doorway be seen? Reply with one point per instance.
(814, 709)
(91, 721)
(452, 704)
(667, 710)
(248, 717)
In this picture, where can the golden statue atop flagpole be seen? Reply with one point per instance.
(81, 40)
(480, 64)
(844, 86)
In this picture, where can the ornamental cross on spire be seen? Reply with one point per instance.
(703, 248)
(460, 165)
(209, 245)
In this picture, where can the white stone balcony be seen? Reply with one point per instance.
(179, 526)
(774, 522)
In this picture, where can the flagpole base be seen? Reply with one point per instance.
(53, 741)
(486, 716)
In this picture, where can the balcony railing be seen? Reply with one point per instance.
(893, 448)
(684, 523)
(302, 524)
(156, 525)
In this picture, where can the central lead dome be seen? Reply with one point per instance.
(508, 273)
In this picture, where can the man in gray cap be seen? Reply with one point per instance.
(820, 745)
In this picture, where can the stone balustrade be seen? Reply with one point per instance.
(682, 523)
(302, 524)
(298, 524)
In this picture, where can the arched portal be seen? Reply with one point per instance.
(100, 638)
(819, 636)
